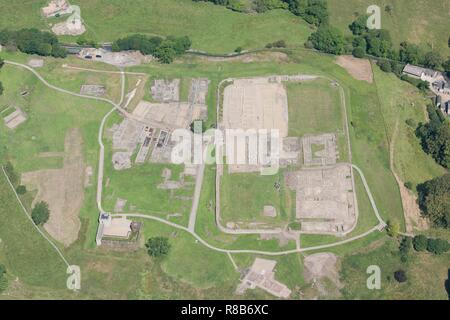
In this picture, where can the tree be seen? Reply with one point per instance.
(409, 185)
(385, 65)
(405, 248)
(165, 54)
(420, 242)
(3, 283)
(40, 213)
(434, 200)
(328, 39)
(393, 228)
(433, 60)
(238, 50)
(3, 279)
(21, 190)
(158, 247)
(1, 88)
(359, 26)
(359, 52)
(410, 53)
(438, 246)
(400, 276)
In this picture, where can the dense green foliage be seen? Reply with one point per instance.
(405, 247)
(420, 242)
(438, 246)
(32, 41)
(158, 247)
(40, 213)
(328, 39)
(21, 190)
(3, 280)
(435, 137)
(434, 200)
(163, 49)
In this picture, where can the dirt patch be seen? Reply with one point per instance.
(359, 69)
(321, 265)
(63, 190)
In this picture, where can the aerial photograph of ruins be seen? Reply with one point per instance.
(224, 150)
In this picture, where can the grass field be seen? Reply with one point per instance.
(400, 101)
(107, 20)
(314, 108)
(237, 189)
(417, 21)
(426, 273)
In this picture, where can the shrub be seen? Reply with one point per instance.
(359, 52)
(438, 246)
(238, 50)
(412, 123)
(409, 185)
(21, 189)
(400, 276)
(40, 213)
(385, 65)
(158, 247)
(393, 228)
(420, 242)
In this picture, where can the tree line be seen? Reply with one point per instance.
(435, 136)
(32, 41)
(164, 49)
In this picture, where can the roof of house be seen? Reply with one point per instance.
(419, 71)
(414, 70)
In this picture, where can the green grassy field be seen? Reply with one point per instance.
(314, 108)
(400, 102)
(417, 21)
(426, 273)
(107, 20)
(237, 189)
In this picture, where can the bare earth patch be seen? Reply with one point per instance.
(360, 69)
(63, 190)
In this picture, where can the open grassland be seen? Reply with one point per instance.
(400, 102)
(212, 28)
(426, 273)
(314, 108)
(244, 195)
(418, 21)
(24, 252)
